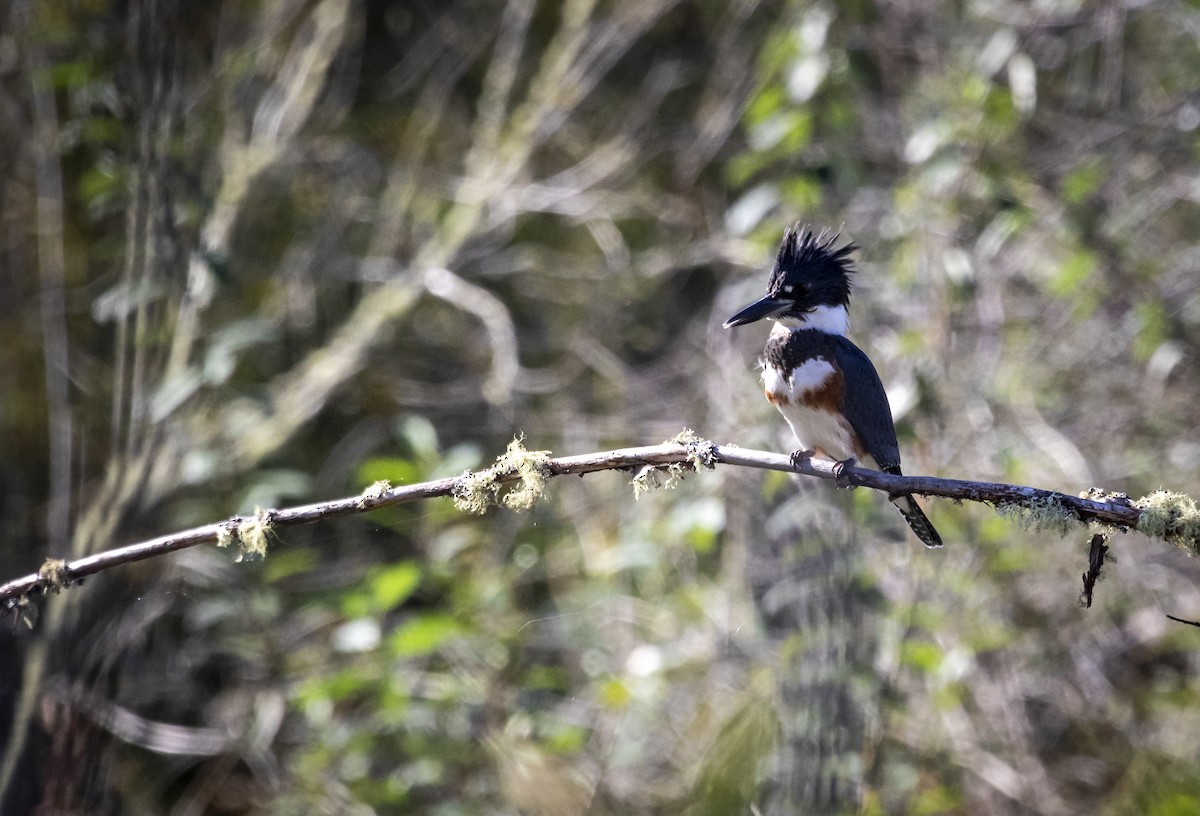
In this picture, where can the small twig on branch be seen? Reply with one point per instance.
(1172, 516)
(1097, 552)
(1182, 620)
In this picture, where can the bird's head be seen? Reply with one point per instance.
(809, 287)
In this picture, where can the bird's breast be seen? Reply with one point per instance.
(809, 396)
(815, 383)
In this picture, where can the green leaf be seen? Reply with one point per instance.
(999, 112)
(103, 130)
(567, 740)
(99, 185)
(346, 683)
(1081, 182)
(1073, 274)
(66, 75)
(921, 654)
(614, 693)
(393, 469)
(743, 167)
(729, 772)
(802, 194)
(423, 635)
(934, 800)
(764, 105)
(390, 586)
(289, 562)
(1152, 329)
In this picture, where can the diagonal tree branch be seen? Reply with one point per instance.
(475, 491)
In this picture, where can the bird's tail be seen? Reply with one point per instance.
(917, 520)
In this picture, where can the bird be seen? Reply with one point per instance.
(825, 386)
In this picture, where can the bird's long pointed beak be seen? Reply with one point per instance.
(757, 310)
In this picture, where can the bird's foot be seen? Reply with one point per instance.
(840, 477)
(801, 457)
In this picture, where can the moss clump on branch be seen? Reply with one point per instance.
(1099, 494)
(651, 477)
(477, 491)
(701, 455)
(701, 452)
(54, 575)
(377, 490)
(1170, 516)
(1041, 514)
(533, 470)
(250, 533)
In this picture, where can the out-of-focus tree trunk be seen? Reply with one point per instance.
(819, 610)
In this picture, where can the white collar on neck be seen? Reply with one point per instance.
(828, 319)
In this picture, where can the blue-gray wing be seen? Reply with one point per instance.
(865, 405)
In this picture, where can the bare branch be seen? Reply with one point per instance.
(498, 323)
(286, 105)
(51, 255)
(1115, 512)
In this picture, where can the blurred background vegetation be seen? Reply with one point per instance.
(264, 253)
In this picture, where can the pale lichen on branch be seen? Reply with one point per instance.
(55, 575)
(701, 454)
(250, 533)
(1173, 517)
(374, 492)
(476, 491)
(1041, 514)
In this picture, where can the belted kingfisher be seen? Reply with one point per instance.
(824, 385)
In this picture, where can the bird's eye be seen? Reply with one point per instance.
(789, 289)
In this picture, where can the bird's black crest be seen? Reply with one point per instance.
(810, 262)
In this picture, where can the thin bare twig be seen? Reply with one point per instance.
(1184, 620)
(1117, 511)
(1098, 551)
